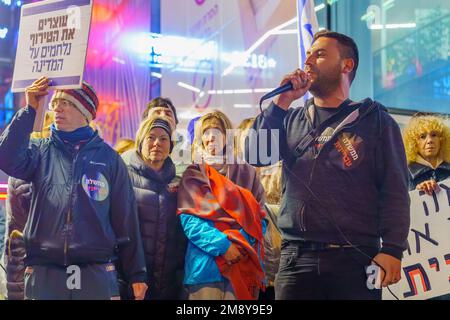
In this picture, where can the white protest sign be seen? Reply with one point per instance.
(53, 38)
(426, 264)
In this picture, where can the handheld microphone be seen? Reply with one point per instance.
(286, 87)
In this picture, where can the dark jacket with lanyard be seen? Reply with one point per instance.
(350, 178)
(82, 204)
(419, 173)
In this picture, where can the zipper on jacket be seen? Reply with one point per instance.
(315, 157)
(68, 226)
(302, 219)
(67, 230)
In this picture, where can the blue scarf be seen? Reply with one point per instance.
(74, 137)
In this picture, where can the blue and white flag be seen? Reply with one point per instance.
(307, 27)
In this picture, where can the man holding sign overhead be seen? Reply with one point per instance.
(83, 212)
(53, 38)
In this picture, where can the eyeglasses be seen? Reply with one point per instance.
(63, 103)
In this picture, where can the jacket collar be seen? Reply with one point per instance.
(365, 107)
(417, 169)
(91, 143)
(166, 175)
(424, 162)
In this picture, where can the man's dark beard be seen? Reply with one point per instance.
(325, 84)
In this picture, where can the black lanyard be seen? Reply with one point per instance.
(312, 135)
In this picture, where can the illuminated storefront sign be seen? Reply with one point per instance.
(185, 54)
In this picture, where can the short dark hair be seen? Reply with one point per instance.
(348, 47)
(160, 102)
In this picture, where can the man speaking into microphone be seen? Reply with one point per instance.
(345, 203)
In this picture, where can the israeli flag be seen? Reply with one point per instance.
(307, 27)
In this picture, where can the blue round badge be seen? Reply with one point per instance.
(97, 187)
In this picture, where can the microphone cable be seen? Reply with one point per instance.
(320, 203)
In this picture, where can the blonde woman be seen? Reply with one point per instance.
(427, 144)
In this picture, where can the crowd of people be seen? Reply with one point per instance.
(86, 221)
